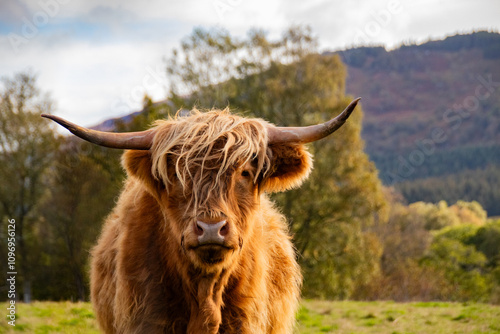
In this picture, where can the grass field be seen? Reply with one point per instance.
(314, 317)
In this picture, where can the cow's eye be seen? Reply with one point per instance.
(245, 173)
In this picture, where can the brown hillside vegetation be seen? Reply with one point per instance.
(430, 109)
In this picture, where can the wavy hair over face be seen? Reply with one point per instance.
(205, 146)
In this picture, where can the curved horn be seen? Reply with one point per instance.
(127, 140)
(308, 134)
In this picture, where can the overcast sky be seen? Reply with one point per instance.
(97, 58)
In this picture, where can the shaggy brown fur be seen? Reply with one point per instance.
(149, 275)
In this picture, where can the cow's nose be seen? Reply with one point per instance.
(211, 233)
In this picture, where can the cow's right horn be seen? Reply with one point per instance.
(128, 140)
(308, 134)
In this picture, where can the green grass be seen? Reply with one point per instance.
(397, 318)
(51, 317)
(314, 317)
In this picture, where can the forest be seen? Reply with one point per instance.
(432, 114)
(356, 237)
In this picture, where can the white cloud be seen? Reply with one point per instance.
(92, 82)
(96, 83)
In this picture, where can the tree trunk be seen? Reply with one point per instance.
(80, 286)
(27, 291)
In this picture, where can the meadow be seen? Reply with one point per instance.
(344, 317)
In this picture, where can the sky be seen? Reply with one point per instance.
(97, 58)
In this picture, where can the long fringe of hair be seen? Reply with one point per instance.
(205, 144)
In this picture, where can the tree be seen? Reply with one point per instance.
(80, 195)
(463, 266)
(435, 251)
(27, 146)
(146, 117)
(404, 239)
(487, 240)
(288, 83)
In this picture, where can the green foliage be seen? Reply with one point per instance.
(27, 147)
(466, 255)
(191, 69)
(146, 117)
(81, 188)
(442, 163)
(405, 238)
(487, 240)
(83, 184)
(463, 267)
(288, 84)
(436, 252)
(435, 216)
(58, 190)
(440, 216)
(357, 57)
(471, 212)
(463, 234)
(481, 185)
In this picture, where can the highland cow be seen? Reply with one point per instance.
(194, 245)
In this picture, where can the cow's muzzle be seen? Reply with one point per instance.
(211, 233)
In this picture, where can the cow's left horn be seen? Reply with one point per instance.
(308, 134)
(128, 140)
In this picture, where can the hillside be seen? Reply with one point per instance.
(432, 112)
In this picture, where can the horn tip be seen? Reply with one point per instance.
(51, 117)
(350, 108)
(355, 101)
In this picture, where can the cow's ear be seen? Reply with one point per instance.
(138, 164)
(290, 166)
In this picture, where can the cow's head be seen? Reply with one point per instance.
(207, 170)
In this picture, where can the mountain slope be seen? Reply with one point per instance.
(431, 110)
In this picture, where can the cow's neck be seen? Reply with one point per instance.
(205, 290)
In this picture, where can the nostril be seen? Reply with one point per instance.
(224, 230)
(198, 230)
(211, 233)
